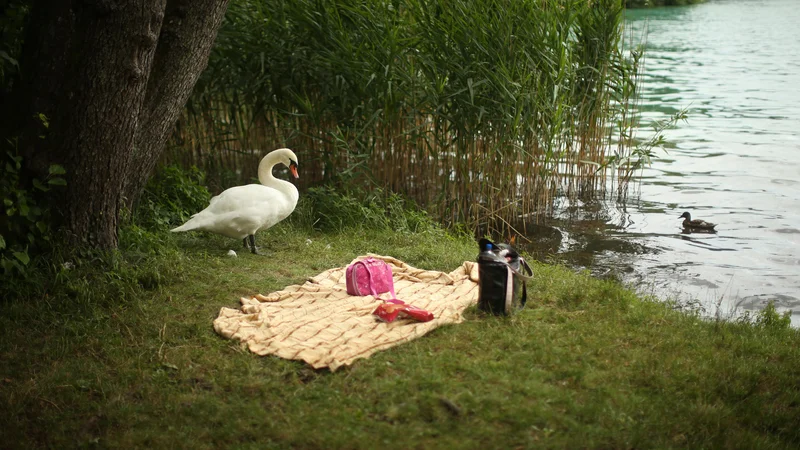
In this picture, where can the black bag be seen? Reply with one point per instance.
(502, 289)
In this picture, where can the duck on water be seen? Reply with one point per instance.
(696, 224)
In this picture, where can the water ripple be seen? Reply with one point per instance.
(737, 158)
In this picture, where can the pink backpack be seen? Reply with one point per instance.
(369, 276)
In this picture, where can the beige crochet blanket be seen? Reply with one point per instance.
(319, 323)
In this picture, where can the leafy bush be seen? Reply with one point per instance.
(326, 209)
(770, 318)
(171, 197)
(25, 221)
(12, 24)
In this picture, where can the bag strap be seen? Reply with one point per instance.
(525, 285)
(511, 272)
(372, 290)
(369, 276)
(520, 273)
(391, 285)
(391, 277)
(509, 289)
(391, 281)
(528, 269)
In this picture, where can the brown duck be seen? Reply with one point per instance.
(695, 224)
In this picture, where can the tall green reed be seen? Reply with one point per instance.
(481, 111)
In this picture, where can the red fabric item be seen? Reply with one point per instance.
(391, 309)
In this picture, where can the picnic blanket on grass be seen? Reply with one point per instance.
(319, 323)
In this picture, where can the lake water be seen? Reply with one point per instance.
(736, 65)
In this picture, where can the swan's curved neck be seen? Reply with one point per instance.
(265, 167)
(266, 177)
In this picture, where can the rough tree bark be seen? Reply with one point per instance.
(112, 77)
(182, 55)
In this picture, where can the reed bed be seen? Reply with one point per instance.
(481, 111)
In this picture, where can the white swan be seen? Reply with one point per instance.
(241, 211)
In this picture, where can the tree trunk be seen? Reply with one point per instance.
(176, 68)
(111, 77)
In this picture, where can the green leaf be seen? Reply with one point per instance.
(7, 264)
(38, 185)
(44, 120)
(56, 169)
(23, 257)
(7, 57)
(2, 242)
(57, 182)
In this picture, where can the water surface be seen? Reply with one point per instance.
(736, 65)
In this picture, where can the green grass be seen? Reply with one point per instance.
(110, 363)
(649, 3)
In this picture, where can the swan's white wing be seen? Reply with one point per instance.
(241, 211)
(242, 197)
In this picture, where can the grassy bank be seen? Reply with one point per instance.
(651, 3)
(127, 357)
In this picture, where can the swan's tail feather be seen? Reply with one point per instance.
(188, 226)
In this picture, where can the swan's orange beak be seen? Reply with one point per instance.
(293, 169)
